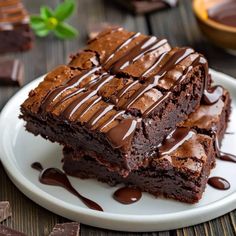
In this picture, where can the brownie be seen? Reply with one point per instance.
(15, 32)
(181, 175)
(146, 6)
(119, 97)
(180, 171)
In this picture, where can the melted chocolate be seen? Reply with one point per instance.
(212, 95)
(55, 177)
(224, 13)
(174, 140)
(122, 133)
(219, 183)
(127, 195)
(223, 155)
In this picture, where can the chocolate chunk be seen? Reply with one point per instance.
(66, 229)
(11, 73)
(5, 210)
(5, 231)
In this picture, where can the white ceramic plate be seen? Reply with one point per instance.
(19, 149)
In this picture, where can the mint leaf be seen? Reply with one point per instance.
(46, 12)
(37, 22)
(65, 31)
(42, 32)
(64, 10)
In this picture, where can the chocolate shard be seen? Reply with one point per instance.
(6, 231)
(11, 73)
(5, 210)
(66, 229)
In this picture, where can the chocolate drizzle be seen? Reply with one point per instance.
(224, 13)
(219, 183)
(79, 100)
(174, 140)
(55, 177)
(222, 155)
(212, 95)
(127, 195)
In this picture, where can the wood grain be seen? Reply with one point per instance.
(179, 26)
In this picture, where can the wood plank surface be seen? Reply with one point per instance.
(179, 27)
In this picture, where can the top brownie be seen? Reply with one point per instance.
(119, 97)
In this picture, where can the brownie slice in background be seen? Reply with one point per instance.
(15, 32)
(146, 6)
(179, 171)
(118, 98)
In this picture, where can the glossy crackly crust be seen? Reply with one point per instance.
(118, 97)
(182, 174)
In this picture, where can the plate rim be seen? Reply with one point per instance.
(58, 206)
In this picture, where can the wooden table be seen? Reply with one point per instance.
(178, 26)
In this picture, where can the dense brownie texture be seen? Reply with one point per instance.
(15, 32)
(181, 174)
(146, 6)
(119, 97)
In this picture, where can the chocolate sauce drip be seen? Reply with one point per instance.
(122, 133)
(127, 195)
(55, 177)
(224, 13)
(174, 140)
(219, 183)
(212, 95)
(220, 154)
(37, 166)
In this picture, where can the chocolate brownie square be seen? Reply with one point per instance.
(119, 97)
(15, 32)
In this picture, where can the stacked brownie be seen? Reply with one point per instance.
(120, 109)
(15, 32)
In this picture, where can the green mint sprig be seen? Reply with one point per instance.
(53, 21)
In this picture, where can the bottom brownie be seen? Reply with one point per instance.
(181, 175)
(181, 172)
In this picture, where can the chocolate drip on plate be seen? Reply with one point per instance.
(219, 183)
(127, 195)
(55, 177)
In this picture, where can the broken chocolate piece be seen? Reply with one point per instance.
(6, 231)
(11, 73)
(5, 210)
(66, 229)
